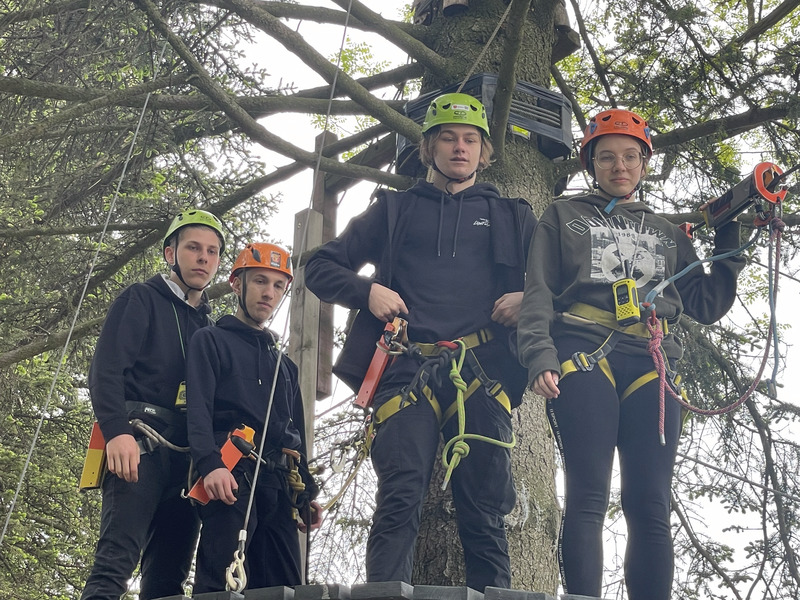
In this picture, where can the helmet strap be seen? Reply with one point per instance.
(243, 304)
(453, 179)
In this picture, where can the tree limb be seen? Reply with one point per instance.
(319, 14)
(507, 78)
(772, 19)
(296, 44)
(79, 110)
(389, 30)
(249, 126)
(600, 71)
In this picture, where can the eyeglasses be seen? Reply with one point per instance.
(607, 160)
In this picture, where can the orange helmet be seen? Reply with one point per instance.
(613, 121)
(264, 256)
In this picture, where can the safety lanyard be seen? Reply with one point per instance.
(180, 333)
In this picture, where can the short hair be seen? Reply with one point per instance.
(430, 137)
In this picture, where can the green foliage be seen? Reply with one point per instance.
(63, 152)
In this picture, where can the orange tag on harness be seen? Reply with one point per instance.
(230, 457)
(379, 361)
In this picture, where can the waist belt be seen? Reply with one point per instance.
(166, 415)
(473, 340)
(411, 393)
(585, 314)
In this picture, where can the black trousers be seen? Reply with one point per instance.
(589, 423)
(272, 549)
(148, 519)
(403, 454)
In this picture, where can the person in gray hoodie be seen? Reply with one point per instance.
(449, 256)
(594, 255)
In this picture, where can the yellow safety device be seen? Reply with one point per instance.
(626, 302)
(94, 466)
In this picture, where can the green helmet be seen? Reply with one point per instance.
(456, 108)
(196, 217)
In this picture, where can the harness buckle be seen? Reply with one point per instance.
(583, 362)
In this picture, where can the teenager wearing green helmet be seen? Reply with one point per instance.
(455, 141)
(138, 372)
(195, 219)
(453, 262)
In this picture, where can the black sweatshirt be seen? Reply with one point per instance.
(229, 378)
(139, 355)
(450, 257)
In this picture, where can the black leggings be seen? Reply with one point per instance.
(589, 422)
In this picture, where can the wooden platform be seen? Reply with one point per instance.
(388, 590)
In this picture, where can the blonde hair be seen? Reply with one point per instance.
(429, 140)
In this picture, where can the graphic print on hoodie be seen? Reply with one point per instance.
(618, 240)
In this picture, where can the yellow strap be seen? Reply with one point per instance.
(645, 379)
(568, 367)
(637, 383)
(496, 391)
(609, 320)
(392, 405)
(473, 340)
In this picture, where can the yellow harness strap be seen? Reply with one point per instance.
(592, 315)
(568, 367)
(609, 320)
(473, 340)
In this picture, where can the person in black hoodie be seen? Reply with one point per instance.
(138, 373)
(593, 252)
(451, 257)
(231, 381)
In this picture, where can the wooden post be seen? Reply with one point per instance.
(325, 202)
(304, 323)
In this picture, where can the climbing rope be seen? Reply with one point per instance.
(458, 443)
(657, 335)
(234, 581)
(99, 246)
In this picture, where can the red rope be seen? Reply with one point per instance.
(654, 347)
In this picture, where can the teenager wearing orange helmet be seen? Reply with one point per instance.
(592, 254)
(229, 380)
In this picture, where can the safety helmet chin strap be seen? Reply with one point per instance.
(454, 179)
(177, 270)
(242, 296)
(614, 199)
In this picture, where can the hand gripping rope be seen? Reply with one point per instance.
(764, 219)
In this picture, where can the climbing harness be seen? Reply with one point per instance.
(755, 190)
(454, 356)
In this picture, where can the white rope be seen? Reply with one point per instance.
(92, 266)
(239, 555)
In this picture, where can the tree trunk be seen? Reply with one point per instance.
(532, 527)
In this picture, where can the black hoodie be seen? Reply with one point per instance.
(450, 257)
(229, 375)
(139, 355)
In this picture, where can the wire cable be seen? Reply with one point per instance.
(81, 298)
